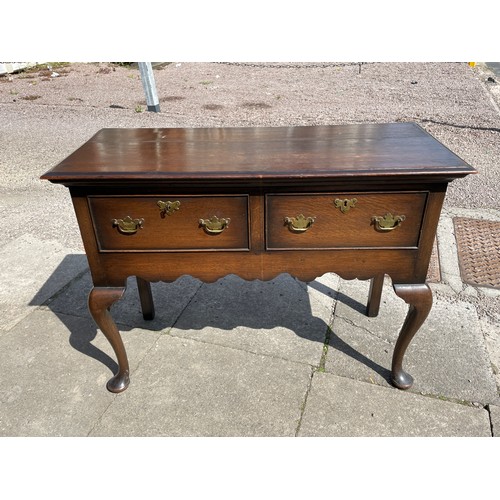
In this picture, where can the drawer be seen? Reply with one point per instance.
(337, 220)
(170, 223)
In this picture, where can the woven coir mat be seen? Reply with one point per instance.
(478, 245)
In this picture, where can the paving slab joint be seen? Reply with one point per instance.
(322, 361)
(364, 329)
(328, 335)
(100, 417)
(492, 428)
(62, 290)
(463, 402)
(304, 402)
(168, 330)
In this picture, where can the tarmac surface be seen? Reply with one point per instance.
(310, 363)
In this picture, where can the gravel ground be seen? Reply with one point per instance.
(44, 117)
(55, 114)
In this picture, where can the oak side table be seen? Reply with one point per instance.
(360, 201)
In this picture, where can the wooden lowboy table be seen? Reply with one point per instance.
(361, 201)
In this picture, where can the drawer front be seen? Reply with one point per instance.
(170, 223)
(338, 220)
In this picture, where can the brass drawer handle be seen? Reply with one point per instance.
(299, 224)
(128, 225)
(388, 222)
(345, 205)
(168, 207)
(214, 225)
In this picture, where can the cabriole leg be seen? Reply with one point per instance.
(419, 296)
(100, 300)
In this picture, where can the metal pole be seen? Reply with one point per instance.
(148, 83)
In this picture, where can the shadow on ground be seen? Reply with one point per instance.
(193, 309)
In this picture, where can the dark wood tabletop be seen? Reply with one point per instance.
(330, 151)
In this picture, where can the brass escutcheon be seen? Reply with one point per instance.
(168, 207)
(388, 222)
(214, 225)
(299, 224)
(128, 225)
(345, 205)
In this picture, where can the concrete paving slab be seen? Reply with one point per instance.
(190, 388)
(53, 371)
(338, 406)
(448, 253)
(495, 420)
(277, 317)
(170, 300)
(53, 207)
(324, 290)
(32, 271)
(447, 357)
(491, 332)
